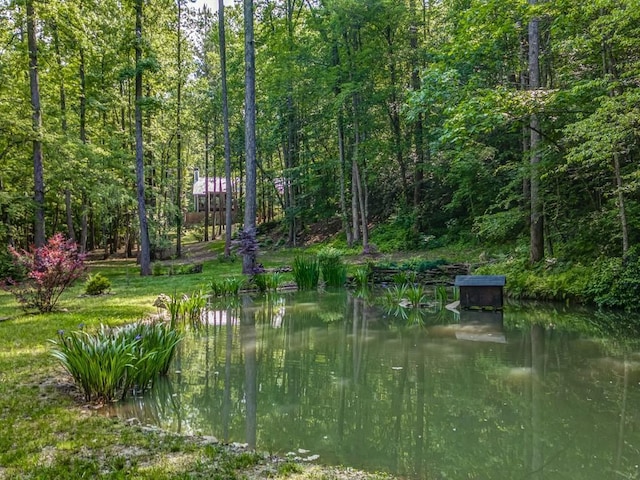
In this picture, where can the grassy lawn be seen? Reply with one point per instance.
(48, 432)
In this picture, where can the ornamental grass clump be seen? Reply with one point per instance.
(334, 271)
(228, 286)
(306, 272)
(111, 362)
(267, 282)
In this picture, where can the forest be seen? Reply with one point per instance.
(408, 124)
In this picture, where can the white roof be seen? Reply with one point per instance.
(216, 184)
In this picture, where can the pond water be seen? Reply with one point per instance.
(534, 392)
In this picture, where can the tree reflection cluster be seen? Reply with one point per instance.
(329, 373)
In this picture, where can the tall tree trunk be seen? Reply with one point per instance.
(38, 168)
(249, 258)
(393, 108)
(609, 68)
(418, 128)
(145, 253)
(179, 139)
(225, 126)
(63, 123)
(207, 200)
(537, 231)
(357, 184)
(343, 173)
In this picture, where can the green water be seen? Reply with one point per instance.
(446, 395)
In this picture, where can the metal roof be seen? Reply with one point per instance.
(480, 280)
(216, 184)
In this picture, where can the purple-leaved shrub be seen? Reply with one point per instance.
(49, 269)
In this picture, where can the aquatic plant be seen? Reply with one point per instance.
(306, 272)
(361, 277)
(334, 271)
(415, 295)
(404, 277)
(267, 282)
(192, 308)
(113, 361)
(226, 286)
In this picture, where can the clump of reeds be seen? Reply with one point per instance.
(306, 272)
(267, 282)
(227, 286)
(334, 271)
(112, 362)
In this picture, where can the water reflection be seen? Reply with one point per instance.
(458, 396)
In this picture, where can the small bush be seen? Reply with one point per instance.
(157, 269)
(9, 269)
(97, 285)
(615, 282)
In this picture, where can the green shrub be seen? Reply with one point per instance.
(616, 282)
(158, 269)
(97, 284)
(334, 271)
(306, 272)
(9, 269)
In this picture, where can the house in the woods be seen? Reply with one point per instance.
(217, 189)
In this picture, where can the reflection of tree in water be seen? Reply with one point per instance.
(337, 379)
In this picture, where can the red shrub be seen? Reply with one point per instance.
(49, 271)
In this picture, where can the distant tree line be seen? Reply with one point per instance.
(498, 121)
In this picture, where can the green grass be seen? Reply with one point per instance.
(47, 431)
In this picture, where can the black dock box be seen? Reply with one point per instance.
(481, 291)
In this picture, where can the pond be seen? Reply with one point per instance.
(533, 392)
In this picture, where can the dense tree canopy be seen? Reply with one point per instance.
(430, 117)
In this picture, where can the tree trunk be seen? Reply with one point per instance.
(207, 200)
(622, 212)
(249, 258)
(343, 167)
(145, 254)
(225, 125)
(536, 229)
(418, 127)
(38, 168)
(179, 139)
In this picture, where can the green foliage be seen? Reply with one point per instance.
(499, 227)
(306, 272)
(361, 276)
(267, 282)
(549, 281)
(112, 361)
(332, 267)
(97, 284)
(400, 234)
(228, 286)
(9, 269)
(404, 277)
(416, 296)
(616, 282)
